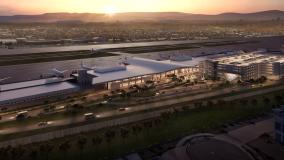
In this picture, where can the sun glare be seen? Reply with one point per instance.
(110, 10)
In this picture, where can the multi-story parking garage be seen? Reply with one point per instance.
(244, 66)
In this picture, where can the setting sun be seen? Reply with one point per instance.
(110, 10)
(110, 7)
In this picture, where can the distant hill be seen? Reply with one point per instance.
(142, 16)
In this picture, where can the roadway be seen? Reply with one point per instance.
(142, 107)
(35, 111)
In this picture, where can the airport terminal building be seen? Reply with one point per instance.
(244, 66)
(133, 71)
(17, 94)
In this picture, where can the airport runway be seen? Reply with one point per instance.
(5, 51)
(33, 71)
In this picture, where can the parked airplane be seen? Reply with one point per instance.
(58, 73)
(87, 67)
(3, 79)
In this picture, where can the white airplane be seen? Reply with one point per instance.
(58, 73)
(3, 79)
(87, 67)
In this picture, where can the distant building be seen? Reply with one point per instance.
(245, 66)
(279, 124)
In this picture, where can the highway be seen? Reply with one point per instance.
(153, 105)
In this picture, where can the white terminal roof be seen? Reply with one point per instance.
(26, 89)
(26, 84)
(137, 67)
(141, 67)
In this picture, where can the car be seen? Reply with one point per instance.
(60, 107)
(121, 109)
(42, 123)
(89, 116)
(104, 102)
(22, 115)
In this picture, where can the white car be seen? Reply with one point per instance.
(89, 116)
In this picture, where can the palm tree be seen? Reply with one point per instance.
(244, 102)
(33, 154)
(81, 144)
(148, 125)
(197, 104)
(157, 122)
(210, 104)
(175, 111)
(20, 151)
(45, 150)
(14, 153)
(266, 100)
(5, 152)
(136, 129)
(185, 108)
(124, 133)
(254, 102)
(221, 103)
(49, 149)
(232, 103)
(278, 99)
(109, 136)
(64, 147)
(97, 140)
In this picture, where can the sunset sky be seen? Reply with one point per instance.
(10, 7)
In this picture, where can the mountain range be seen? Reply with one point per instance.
(142, 16)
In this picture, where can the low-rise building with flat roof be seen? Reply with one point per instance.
(245, 66)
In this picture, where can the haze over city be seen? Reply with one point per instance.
(12, 7)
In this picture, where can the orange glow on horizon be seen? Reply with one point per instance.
(99, 6)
